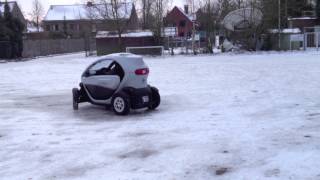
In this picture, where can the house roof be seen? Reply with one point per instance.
(11, 4)
(84, 12)
(302, 18)
(189, 16)
(132, 34)
(286, 31)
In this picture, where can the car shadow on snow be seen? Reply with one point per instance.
(88, 112)
(60, 105)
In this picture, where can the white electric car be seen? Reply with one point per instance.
(119, 80)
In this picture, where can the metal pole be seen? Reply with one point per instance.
(304, 39)
(279, 24)
(317, 40)
(193, 29)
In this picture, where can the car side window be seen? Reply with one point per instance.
(101, 64)
(105, 67)
(116, 69)
(98, 67)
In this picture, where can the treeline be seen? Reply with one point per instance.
(212, 12)
(11, 33)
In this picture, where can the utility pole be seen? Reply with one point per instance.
(279, 24)
(193, 29)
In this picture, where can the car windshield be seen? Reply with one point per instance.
(100, 64)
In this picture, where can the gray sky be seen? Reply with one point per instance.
(27, 4)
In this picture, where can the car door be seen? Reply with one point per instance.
(99, 81)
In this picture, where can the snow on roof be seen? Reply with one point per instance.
(286, 31)
(84, 12)
(301, 18)
(189, 16)
(2, 4)
(121, 56)
(111, 34)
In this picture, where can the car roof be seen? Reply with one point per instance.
(119, 56)
(126, 60)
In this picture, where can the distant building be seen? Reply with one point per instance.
(303, 22)
(182, 20)
(307, 20)
(87, 18)
(107, 42)
(15, 11)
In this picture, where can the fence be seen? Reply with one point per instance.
(146, 50)
(311, 40)
(33, 48)
(185, 43)
(5, 49)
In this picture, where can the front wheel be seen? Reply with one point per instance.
(75, 98)
(155, 99)
(121, 104)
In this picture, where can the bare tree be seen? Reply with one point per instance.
(115, 11)
(146, 8)
(208, 17)
(194, 5)
(159, 9)
(37, 13)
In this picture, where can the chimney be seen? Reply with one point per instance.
(89, 4)
(186, 9)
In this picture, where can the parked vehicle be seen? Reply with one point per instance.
(119, 80)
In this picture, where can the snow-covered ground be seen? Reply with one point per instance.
(232, 117)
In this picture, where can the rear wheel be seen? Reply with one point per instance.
(121, 104)
(75, 98)
(155, 99)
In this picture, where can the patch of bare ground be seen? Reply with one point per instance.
(219, 170)
(138, 153)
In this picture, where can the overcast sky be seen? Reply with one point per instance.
(27, 4)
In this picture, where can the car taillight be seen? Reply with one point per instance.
(144, 71)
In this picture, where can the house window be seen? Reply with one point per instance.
(48, 28)
(56, 27)
(182, 23)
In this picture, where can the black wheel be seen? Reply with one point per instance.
(155, 99)
(75, 98)
(121, 104)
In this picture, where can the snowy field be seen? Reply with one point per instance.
(225, 117)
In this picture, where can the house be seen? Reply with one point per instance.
(79, 19)
(15, 11)
(290, 39)
(308, 19)
(303, 22)
(182, 20)
(107, 41)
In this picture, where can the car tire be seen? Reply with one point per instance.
(155, 99)
(121, 104)
(75, 98)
